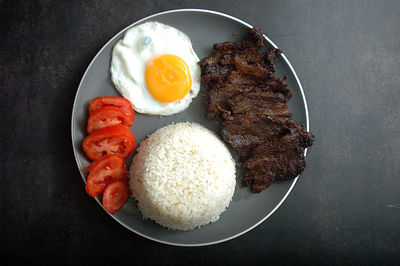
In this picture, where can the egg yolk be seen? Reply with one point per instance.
(168, 78)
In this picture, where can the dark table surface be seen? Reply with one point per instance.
(345, 209)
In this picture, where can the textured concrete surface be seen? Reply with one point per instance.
(344, 210)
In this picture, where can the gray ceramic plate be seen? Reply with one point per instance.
(246, 210)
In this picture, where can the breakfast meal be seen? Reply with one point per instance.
(250, 100)
(155, 67)
(183, 176)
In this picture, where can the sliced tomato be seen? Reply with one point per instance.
(108, 116)
(115, 196)
(109, 140)
(119, 102)
(104, 171)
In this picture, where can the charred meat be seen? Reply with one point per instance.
(244, 93)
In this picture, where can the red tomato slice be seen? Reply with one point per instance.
(104, 171)
(109, 140)
(108, 116)
(119, 102)
(115, 196)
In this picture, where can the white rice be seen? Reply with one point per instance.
(183, 176)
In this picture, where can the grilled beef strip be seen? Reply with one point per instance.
(250, 100)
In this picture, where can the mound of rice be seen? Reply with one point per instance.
(183, 176)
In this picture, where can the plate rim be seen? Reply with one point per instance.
(200, 11)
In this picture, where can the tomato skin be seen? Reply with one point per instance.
(118, 102)
(108, 116)
(104, 171)
(115, 196)
(115, 139)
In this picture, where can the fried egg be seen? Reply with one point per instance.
(155, 67)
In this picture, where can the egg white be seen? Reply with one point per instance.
(130, 56)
